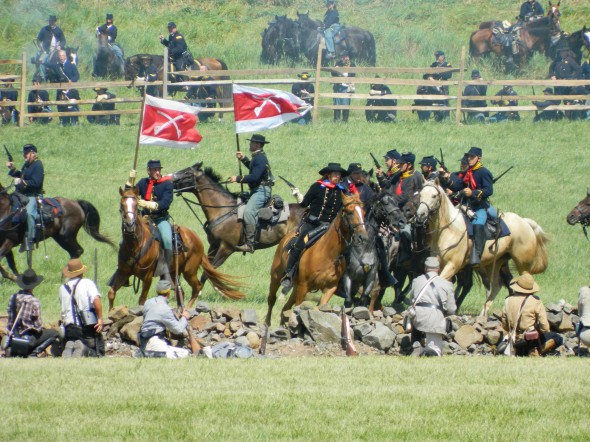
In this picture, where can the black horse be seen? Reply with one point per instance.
(576, 41)
(280, 41)
(107, 64)
(358, 42)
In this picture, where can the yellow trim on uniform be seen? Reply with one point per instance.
(407, 174)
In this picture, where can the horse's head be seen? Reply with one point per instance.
(289, 32)
(354, 217)
(431, 197)
(554, 14)
(132, 67)
(128, 209)
(72, 54)
(102, 37)
(185, 180)
(586, 38)
(580, 213)
(386, 211)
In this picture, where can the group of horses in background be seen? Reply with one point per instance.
(286, 40)
(543, 35)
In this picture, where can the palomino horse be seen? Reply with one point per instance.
(63, 229)
(106, 62)
(448, 235)
(224, 231)
(322, 265)
(359, 42)
(581, 214)
(138, 256)
(536, 36)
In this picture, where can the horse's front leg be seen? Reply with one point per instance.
(495, 286)
(327, 293)
(145, 288)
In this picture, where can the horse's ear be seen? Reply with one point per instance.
(120, 191)
(197, 166)
(437, 181)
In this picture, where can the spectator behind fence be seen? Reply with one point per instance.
(38, 96)
(504, 93)
(343, 88)
(148, 72)
(103, 104)
(547, 115)
(9, 93)
(475, 90)
(565, 67)
(433, 89)
(305, 92)
(384, 116)
(441, 62)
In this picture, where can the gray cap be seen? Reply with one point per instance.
(432, 262)
(163, 287)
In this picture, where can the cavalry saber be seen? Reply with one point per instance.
(289, 183)
(502, 174)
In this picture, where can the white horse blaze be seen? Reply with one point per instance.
(360, 214)
(130, 209)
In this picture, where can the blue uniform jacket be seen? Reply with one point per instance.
(484, 187)
(176, 45)
(528, 10)
(259, 170)
(110, 31)
(66, 72)
(45, 35)
(330, 18)
(162, 193)
(32, 175)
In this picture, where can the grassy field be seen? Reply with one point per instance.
(373, 398)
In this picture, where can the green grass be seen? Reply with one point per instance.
(369, 398)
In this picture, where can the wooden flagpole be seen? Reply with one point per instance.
(239, 162)
(132, 181)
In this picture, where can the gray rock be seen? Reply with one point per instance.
(554, 319)
(362, 330)
(249, 317)
(379, 324)
(388, 311)
(118, 313)
(566, 325)
(136, 311)
(378, 314)
(202, 307)
(326, 308)
(281, 333)
(382, 338)
(493, 337)
(323, 327)
(467, 336)
(243, 340)
(555, 308)
(568, 309)
(361, 313)
(130, 331)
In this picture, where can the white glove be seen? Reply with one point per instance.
(150, 205)
(138, 78)
(102, 97)
(17, 181)
(131, 179)
(73, 100)
(374, 92)
(132, 174)
(295, 192)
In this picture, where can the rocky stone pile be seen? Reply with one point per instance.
(312, 330)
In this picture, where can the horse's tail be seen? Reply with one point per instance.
(372, 53)
(222, 282)
(541, 259)
(92, 222)
(226, 89)
(472, 47)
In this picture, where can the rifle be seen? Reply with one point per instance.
(502, 174)
(264, 340)
(375, 161)
(442, 160)
(8, 154)
(345, 339)
(288, 183)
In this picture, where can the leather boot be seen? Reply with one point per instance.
(550, 344)
(337, 114)
(479, 242)
(169, 256)
(250, 234)
(345, 114)
(287, 281)
(405, 247)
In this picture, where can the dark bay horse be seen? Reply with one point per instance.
(106, 62)
(581, 214)
(50, 75)
(63, 229)
(224, 231)
(359, 42)
(139, 251)
(280, 41)
(322, 265)
(577, 41)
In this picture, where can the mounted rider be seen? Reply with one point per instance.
(110, 30)
(259, 181)
(177, 49)
(355, 183)
(530, 10)
(331, 27)
(50, 39)
(476, 185)
(324, 201)
(29, 182)
(428, 166)
(392, 158)
(156, 196)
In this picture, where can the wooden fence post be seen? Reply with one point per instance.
(460, 88)
(165, 79)
(318, 72)
(23, 89)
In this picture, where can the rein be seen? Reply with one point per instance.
(584, 221)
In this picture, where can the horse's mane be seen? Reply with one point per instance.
(216, 178)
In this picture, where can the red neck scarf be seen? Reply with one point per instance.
(468, 177)
(327, 184)
(150, 187)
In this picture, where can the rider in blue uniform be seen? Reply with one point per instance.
(111, 31)
(49, 39)
(259, 180)
(530, 9)
(477, 185)
(156, 194)
(331, 27)
(29, 182)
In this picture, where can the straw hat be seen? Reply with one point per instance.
(74, 268)
(525, 283)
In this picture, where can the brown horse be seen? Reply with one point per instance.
(535, 36)
(224, 231)
(448, 237)
(63, 228)
(581, 214)
(139, 251)
(323, 264)
(106, 62)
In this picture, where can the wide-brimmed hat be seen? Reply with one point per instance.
(52, 18)
(475, 73)
(257, 138)
(163, 287)
(333, 167)
(392, 154)
(475, 151)
(429, 161)
(524, 283)
(74, 268)
(28, 279)
(407, 157)
(29, 148)
(354, 167)
(153, 164)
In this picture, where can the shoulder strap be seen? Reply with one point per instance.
(75, 309)
(422, 291)
(512, 332)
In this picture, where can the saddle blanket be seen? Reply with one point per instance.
(491, 228)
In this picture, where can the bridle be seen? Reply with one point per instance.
(583, 219)
(346, 217)
(128, 228)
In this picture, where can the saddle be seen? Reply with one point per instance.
(178, 245)
(273, 213)
(47, 210)
(312, 237)
(494, 228)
